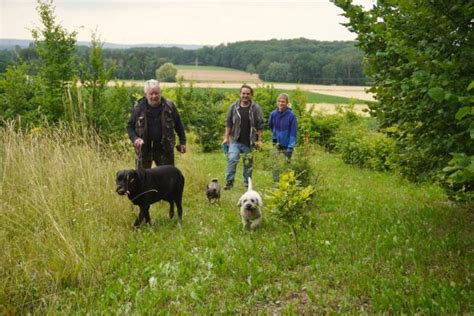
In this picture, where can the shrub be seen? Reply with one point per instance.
(364, 148)
(458, 177)
(290, 202)
(167, 73)
(419, 55)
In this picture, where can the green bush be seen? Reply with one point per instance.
(167, 73)
(323, 128)
(203, 112)
(364, 148)
(266, 97)
(420, 57)
(290, 202)
(458, 177)
(17, 95)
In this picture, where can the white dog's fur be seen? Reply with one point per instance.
(250, 208)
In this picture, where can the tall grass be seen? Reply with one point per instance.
(380, 244)
(59, 218)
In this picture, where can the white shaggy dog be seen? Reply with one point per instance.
(250, 208)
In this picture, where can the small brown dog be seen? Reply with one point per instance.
(213, 191)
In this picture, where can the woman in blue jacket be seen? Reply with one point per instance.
(284, 126)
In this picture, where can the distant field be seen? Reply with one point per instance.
(203, 68)
(215, 74)
(311, 97)
(314, 93)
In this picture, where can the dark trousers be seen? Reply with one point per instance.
(145, 159)
(284, 151)
(283, 157)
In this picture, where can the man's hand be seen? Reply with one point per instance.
(258, 145)
(138, 143)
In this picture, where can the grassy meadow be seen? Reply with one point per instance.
(379, 243)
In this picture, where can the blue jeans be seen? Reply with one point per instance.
(235, 149)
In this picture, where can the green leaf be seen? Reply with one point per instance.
(464, 111)
(471, 86)
(436, 94)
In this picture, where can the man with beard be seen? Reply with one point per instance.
(152, 126)
(243, 132)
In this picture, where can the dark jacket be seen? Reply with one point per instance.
(284, 127)
(256, 121)
(137, 126)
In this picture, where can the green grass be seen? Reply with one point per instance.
(204, 68)
(311, 97)
(380, 244)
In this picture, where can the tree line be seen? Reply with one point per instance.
(293, 60)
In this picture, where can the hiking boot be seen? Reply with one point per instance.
(246, 184)
(228, 186)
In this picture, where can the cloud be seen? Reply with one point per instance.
(208, 22)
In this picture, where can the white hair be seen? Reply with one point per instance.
(150, 84)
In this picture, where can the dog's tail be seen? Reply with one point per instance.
(250, 185)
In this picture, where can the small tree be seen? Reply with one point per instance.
(290, 203)
(94, 77)
(167, 73)
(17, 93)
(56, 68)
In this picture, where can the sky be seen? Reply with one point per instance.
(189, 22)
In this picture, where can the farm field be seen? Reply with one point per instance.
(220, 77)
(344, 92)
(331, 108)
(215, 74)
(377, 244)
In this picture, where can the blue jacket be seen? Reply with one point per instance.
(284, 127)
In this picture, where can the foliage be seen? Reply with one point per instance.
(458, 176)
(298, 102)
(265, 96)
(301, 165)
(295, 60)
(56, 68)
(420, 57)
(209, 120)
(323, 128)
(94, 76)
(364, 148)
(167, 73)
(277, 72)
(202, 111)
(290, 203)
(17, 95)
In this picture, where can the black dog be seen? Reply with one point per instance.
(213, 191)
(147, 186)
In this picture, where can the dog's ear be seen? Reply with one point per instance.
(240, 202)
(120, 175)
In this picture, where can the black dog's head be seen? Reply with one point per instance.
(124, 181)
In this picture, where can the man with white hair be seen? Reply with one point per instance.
(152, 126)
